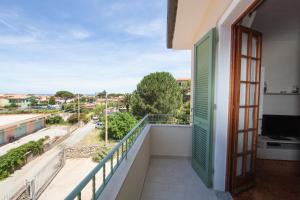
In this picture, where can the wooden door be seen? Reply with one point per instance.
(246, 90)
(203, 107)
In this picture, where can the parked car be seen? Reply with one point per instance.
(99, 125)
(95, 119)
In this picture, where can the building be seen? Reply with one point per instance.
(185, 86)
(236, 46)
(13, 126)
(4, 101)
(183, 81)
(238, 83)
(21, 100)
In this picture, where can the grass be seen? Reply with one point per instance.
(95, 138)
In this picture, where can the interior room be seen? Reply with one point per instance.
(278, 142)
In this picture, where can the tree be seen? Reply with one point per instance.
(101, 94)
(127, 101)
(65, 95)
(98, 110)
(52, 100)
(157, 93)
(119, 124)
(73, 119)
(33, 101)
(114, 95)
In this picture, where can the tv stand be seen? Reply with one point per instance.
(278, 149)
(278, 138)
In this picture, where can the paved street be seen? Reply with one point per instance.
(68, 177)
(17, 180)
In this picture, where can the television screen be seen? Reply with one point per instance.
(281, 125)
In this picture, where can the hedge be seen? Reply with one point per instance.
(16, 158)
(54, 120)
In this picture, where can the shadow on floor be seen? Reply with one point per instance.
(275, 180)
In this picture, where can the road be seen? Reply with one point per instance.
(18, 178)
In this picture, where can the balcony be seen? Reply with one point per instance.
(153, 161)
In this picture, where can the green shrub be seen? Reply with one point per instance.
(119, 124)
(56, 119)
(73, 119)
(97, 157)
(15, 158)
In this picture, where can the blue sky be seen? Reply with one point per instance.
(84, 46)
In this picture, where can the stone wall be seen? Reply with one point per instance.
(81, 151)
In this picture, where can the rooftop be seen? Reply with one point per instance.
(8, 120)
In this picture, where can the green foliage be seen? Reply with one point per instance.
(70, 107)
(15, 111)
(65, 95)
(184, 114)
(127, 101)
(15, 158)
(52, 100)
(73, 119)
(157, 93)
(119, 124)
(185, 90)
(97, 157)
(55, 119)
(33, 101)
(114, 95)
(101, 94)
(98, 110)
(11, 106)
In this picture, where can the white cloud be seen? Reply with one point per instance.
(152, 28)
(8, 25)
(80, 34)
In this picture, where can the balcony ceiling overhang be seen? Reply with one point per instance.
(190, 19)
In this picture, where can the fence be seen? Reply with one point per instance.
(168, 119)
(43, 178)
(33, 187)
(94, 183)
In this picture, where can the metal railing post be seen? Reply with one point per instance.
(94, 188)
(111, 165)
(126, 148)
(104, 175)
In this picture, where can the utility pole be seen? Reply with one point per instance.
(78, 109)
(106, 134)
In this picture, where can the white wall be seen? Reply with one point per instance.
(279, 23)
(171, 140)
(222, 90)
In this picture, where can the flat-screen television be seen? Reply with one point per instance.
(281, 125)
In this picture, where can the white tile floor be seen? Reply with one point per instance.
(174, 179)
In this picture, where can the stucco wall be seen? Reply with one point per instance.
(134, 182)
(280, 54)
(156, 140)
(171, 140)
(128, 180)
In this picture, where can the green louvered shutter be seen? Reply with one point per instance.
(203, 107)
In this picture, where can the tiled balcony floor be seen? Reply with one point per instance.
(174, 179)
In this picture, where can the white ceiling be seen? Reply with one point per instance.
(278, 13)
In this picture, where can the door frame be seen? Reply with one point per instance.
(229, 184)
